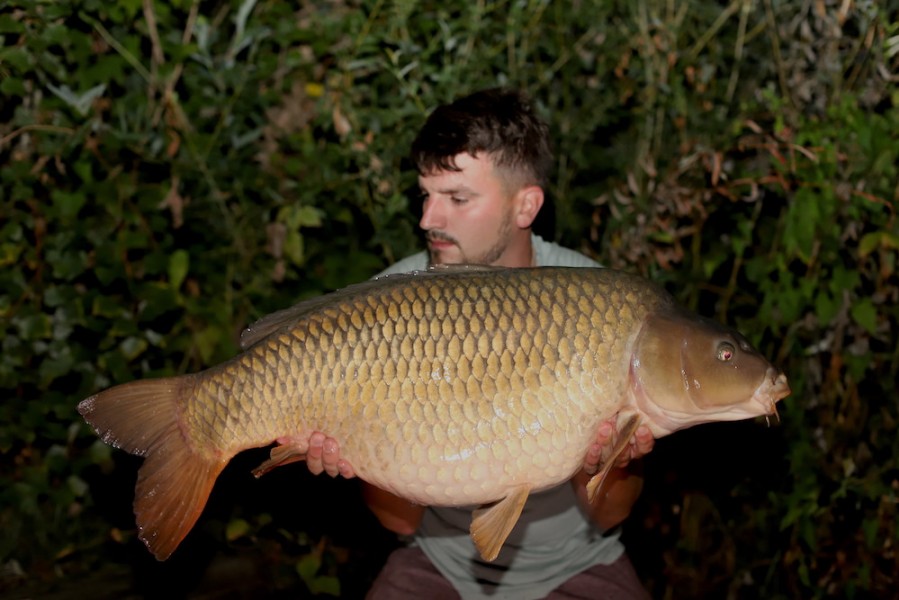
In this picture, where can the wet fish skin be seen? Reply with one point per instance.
(458, 387)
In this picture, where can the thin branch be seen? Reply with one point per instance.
(150, 17)
(778, 58)
(34, 127)
(738, 51)
(108, 37)
(711, 31)
(172, 81)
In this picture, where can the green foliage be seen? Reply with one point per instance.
(787, 213)
(171, 171)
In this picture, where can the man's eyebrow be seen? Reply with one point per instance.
(451, 191)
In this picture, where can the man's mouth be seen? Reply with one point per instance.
(440, 242)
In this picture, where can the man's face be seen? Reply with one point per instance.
(468, 215)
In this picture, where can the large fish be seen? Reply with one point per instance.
(455, 386)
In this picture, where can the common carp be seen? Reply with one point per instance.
(454, 386)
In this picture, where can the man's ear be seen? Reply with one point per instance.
(529, 201)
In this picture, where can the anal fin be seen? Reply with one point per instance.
(280, 455)
(621, 443)
(491, 526)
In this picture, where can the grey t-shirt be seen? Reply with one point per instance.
(552, 541)
(546, 254)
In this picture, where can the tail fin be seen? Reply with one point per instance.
(144, 418)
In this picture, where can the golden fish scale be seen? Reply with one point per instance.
(448, 389)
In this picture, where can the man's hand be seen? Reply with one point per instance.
(323, 455)
(641, 444)
(623, 483)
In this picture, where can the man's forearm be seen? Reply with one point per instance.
(617, 496)
(396, 514)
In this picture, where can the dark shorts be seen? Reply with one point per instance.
(409, 574)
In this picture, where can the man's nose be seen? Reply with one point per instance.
(433, 216)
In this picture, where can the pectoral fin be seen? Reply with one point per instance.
(621, 443)
(492, 525)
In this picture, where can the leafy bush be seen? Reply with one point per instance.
(171, 171)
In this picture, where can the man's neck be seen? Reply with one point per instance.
(519, 254)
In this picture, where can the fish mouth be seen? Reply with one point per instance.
(774, 387)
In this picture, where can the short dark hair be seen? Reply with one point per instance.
(500, 122)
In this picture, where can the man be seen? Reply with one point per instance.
(483, 162)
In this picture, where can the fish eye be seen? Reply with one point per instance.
(726, 351)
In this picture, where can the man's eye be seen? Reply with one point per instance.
(458, 200)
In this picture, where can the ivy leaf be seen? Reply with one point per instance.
(34, 327)
(179, 263)
(68, 204)
(325, 585)
(308, 566)
(865, 314)
(12, 86)
(78, 486)
(10, 25)
(236, 529)
(132, 347)
(869, 243)
(877, 239)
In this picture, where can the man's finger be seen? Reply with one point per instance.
(643, 441)
(314, 453)
(330, 456)
(591, 461)
(345, 469)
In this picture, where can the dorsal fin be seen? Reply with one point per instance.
(463, 268)
(275, 321)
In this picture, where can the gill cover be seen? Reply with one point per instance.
(691, 370)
